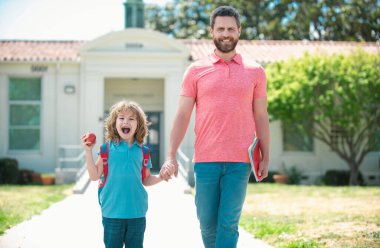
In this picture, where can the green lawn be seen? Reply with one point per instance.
(18, 203)
(313, 216)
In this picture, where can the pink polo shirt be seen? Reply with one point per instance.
(224, 93)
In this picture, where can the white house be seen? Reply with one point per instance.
(51, 92)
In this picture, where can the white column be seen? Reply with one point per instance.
(172, 90)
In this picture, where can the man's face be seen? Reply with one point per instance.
(225, 33)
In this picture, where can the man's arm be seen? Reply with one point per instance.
(180, 124)
(260, 114)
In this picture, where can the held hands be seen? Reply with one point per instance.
(169, 168)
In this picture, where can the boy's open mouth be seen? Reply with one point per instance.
(126, 130)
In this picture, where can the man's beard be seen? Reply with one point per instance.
(225, 48)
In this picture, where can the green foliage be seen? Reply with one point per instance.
(19, 203)
(262, 227)
(374, 235)
(339, 178)
(180, 19)
(8, 171)
(354, 20)
(25, 177)
(294, 174)
(324, 216)
(160, 18)
(337, 93)
(302, 244)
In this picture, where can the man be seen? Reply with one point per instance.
(230, 97)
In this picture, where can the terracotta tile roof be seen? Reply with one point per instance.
(267, 51)
(263, 51)
(33, 50)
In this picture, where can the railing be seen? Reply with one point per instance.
(81, 171)
(186, 167)
(72, 157)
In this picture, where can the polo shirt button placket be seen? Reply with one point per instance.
(227, 69)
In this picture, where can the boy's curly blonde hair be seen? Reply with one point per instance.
(123, 106)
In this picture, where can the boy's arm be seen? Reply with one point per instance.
(95, 169)
(151, 179)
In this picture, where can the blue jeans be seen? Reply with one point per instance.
(118, 232)
(220, 192)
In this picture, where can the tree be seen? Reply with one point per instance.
(351, 20)
(339, 94)
(180, 19)
(161, 19)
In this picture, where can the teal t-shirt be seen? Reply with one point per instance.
(124, 195)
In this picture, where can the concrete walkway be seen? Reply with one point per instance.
(75, 222)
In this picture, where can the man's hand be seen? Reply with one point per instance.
(263, 169)
(169, 168)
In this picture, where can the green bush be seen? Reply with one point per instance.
(339, 178)
(8, 171)
(294, 174)
(25, 177)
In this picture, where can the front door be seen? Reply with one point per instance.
(153, 139)
(149, 94)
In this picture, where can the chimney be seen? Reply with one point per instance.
(134, 14)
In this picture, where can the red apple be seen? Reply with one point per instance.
(90, 137)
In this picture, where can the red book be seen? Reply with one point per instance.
(255, 157)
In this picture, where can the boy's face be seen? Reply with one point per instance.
(126, 125)
(225, 33)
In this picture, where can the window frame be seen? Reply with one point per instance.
(24, 103)
(295, 152)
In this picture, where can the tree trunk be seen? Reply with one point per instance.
(354, 174)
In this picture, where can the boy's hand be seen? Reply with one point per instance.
(169, 168)
(86, 144)
(90, 137)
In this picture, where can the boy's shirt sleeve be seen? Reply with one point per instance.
(149, 165)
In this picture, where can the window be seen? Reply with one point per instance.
(24, 113)
(374, 143)
(337, 135)
(295, 140)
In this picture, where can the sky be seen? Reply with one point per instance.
(61, 19)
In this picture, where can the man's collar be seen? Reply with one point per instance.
(214, 58)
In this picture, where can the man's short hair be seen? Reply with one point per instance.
(224, 11)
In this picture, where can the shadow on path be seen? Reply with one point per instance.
(75, 222)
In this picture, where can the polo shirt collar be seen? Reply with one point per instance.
(214, 58)
(135, 143)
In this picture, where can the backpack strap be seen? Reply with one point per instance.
(104, 150)
(146, 155)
